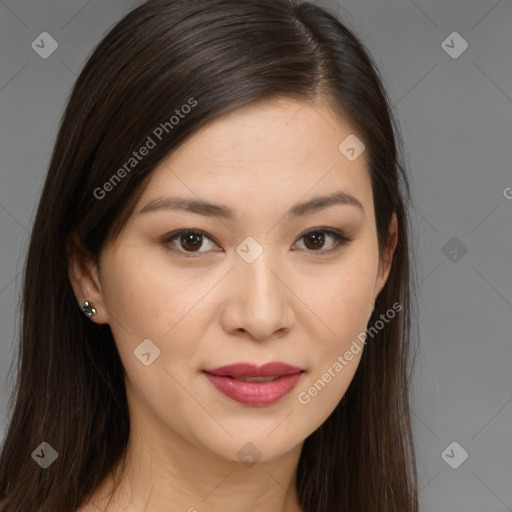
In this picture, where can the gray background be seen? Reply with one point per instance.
(456, 119)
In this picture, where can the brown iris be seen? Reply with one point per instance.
(191, 241)
(317, 240)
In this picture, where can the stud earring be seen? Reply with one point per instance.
(88, 309)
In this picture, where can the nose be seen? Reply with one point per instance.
(259, 300)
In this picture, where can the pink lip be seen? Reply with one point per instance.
(251, 370)
(255, 393)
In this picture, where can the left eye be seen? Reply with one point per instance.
(191, 241)
(316, 238)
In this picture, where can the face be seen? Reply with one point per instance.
(261, 278)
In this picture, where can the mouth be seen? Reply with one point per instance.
(253, 379)
(247, 384)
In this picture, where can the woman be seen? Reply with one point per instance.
(222, 221)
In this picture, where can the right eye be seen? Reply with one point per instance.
(185, 242)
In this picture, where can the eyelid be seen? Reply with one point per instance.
(341, 239)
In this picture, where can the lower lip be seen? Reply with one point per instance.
(255, 393)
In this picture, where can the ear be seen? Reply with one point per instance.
(387, 257)
(84, 278)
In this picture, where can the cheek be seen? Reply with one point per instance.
(342, 301)
(146, 300)
(148, 295)
(342, 296)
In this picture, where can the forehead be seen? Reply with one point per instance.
(269, 152)
(281, 129)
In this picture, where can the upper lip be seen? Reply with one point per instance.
(251, 370)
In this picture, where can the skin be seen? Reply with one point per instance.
(291, 304)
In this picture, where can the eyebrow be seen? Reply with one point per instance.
(218, 210)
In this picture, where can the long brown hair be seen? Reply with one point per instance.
(217, 55)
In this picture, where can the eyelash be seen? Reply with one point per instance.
(340, 240)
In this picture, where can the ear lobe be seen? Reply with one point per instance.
(83, 276)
